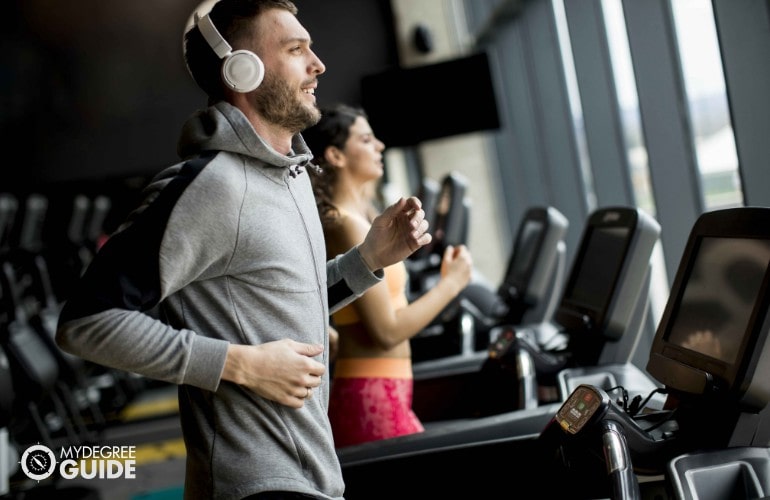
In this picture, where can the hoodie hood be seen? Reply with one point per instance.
(223, 127)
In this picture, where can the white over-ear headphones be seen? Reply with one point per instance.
(242, 70)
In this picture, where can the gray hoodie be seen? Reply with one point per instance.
(229, 245)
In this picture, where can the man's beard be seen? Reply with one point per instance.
(279, 104)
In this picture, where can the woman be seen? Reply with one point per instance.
(371, 392)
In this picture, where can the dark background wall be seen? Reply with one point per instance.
(94, 93)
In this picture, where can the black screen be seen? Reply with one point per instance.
(599, 267)
(406, 106)
(715, 308)
(523, 261)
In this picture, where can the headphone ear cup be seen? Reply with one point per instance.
(243, 71)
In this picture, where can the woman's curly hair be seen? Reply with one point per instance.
(333, 129)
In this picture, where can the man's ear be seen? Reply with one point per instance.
(334, 156)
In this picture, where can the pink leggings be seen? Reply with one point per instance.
(365, 409)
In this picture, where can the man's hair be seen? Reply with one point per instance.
(234, 20)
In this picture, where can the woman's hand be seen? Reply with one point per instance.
(457, 266)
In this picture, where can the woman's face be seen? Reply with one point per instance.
(363, 152)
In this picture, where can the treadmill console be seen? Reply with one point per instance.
(585, 405)
(502, 344)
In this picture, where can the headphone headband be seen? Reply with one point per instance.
(213, 37)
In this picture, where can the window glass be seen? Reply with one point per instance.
(623, 73)
(633, 136)
(707, 100)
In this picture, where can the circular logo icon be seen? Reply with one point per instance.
(38, 462)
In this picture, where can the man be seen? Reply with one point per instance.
(229, 245)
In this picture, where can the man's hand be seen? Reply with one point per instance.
(395, 234)
(283, 371)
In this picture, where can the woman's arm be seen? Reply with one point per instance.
(387, 324)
